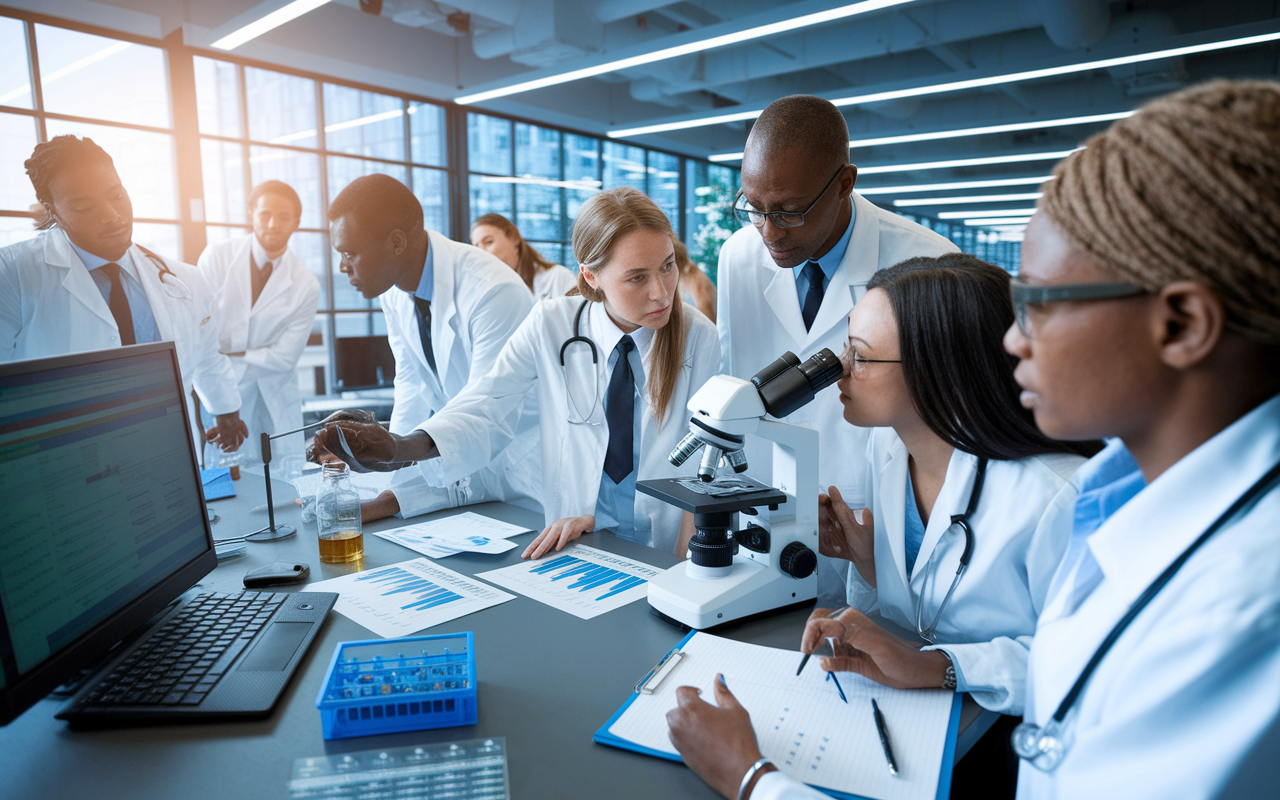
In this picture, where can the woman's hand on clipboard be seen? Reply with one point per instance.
(716, 741)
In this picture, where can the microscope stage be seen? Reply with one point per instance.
(671, 491)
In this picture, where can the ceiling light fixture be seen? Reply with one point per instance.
(957, 201)
(944, 187)
(986, 223)
(971, 83)
(689, 48)
(269, 21)
(1056, 155)
(1030, 125)
(999, 212)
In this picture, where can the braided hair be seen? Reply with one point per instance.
(1188, 188)
(51, 158)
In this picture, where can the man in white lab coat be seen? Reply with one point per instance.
(449, 310)
(83, 285)
(789, 278)
(267, 301)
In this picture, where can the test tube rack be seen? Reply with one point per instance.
(392, 685)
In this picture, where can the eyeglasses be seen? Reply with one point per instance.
(1024, 295)
(780, 219)
(854, 363)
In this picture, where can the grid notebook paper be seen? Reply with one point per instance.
(800, 722)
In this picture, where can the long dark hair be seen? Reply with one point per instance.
(952, 314)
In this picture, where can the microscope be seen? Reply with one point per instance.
(743, 562)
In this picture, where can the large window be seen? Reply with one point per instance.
(539, 177)
(191, 153)
(258, 124)
(55, 81)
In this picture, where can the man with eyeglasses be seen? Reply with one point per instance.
(789, 278)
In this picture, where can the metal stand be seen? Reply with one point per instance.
(273, 531)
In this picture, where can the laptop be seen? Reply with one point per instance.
(105, 534)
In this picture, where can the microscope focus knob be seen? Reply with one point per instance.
(797, 560)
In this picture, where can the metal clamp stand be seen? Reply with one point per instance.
(273, 531)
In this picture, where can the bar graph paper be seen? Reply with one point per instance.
(404, 598)
(580, 580)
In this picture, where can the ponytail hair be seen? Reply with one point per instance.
(604, 219)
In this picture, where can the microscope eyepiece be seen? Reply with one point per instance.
(787, 385)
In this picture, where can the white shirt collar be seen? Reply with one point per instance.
(1147, 533)
(606, 334)
(260, 257)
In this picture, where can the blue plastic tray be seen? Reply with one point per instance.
(392, 685)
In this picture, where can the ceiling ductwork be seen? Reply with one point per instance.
(1073, 24)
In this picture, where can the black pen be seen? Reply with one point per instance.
(884, 737)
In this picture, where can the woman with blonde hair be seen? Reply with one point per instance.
(613, 370)
(498, 236)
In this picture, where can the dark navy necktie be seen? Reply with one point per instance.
(619, 410)
(424, 329)
(119, 304)
(812, 300)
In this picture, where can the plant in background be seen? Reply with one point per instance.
(715, 206)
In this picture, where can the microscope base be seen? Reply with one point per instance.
(749, 588)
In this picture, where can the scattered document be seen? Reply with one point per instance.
(465, 532)
(404, 598)
(800, 722)
(580, 580)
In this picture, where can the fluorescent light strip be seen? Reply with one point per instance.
(943, 187)
(958, 201)
(986, 223)
(269, 22)
(588, 185)
(758, 32)
(1056, 155)
(1002, 212)
(959, 132)
(74, 66)
(971, 83)
(337, 126)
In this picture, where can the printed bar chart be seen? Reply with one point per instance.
(404, 598)
(581, 580)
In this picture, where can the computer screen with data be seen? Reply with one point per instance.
(103, 515)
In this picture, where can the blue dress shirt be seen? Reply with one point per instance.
(828, 263)
(914, 527)
(616, 502)
(426, 284)
(144, 322)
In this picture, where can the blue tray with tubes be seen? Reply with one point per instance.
(392, 685)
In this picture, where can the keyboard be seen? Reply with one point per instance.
(182, 661)
(217, 655)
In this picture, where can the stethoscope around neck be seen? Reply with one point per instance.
(1045, 746)
(578, 338)
(929, 633)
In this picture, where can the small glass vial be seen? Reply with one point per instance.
(338, 516)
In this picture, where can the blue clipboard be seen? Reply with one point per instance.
(217, 483)
(603, 736)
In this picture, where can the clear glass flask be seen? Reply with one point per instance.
(338, 516)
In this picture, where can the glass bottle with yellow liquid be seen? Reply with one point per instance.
(338, 516)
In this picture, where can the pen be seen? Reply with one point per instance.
(805, 660)
(831, 676)
(884, 737)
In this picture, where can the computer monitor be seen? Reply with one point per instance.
(104, 519)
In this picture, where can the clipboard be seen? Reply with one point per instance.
(664, 669)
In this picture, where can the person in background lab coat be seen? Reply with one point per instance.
(1145, 311)
(267, 301)
(788, 280)
(450, 308)
(498, 236)
(84, 285)
(926, 373)
(613, 411)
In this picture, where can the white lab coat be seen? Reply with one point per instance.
(477, 303)
(553, 282)
(1187, 702)
(472, 428)
(758, 316)
(271, 333)
(50, 306)
(1020, 530)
